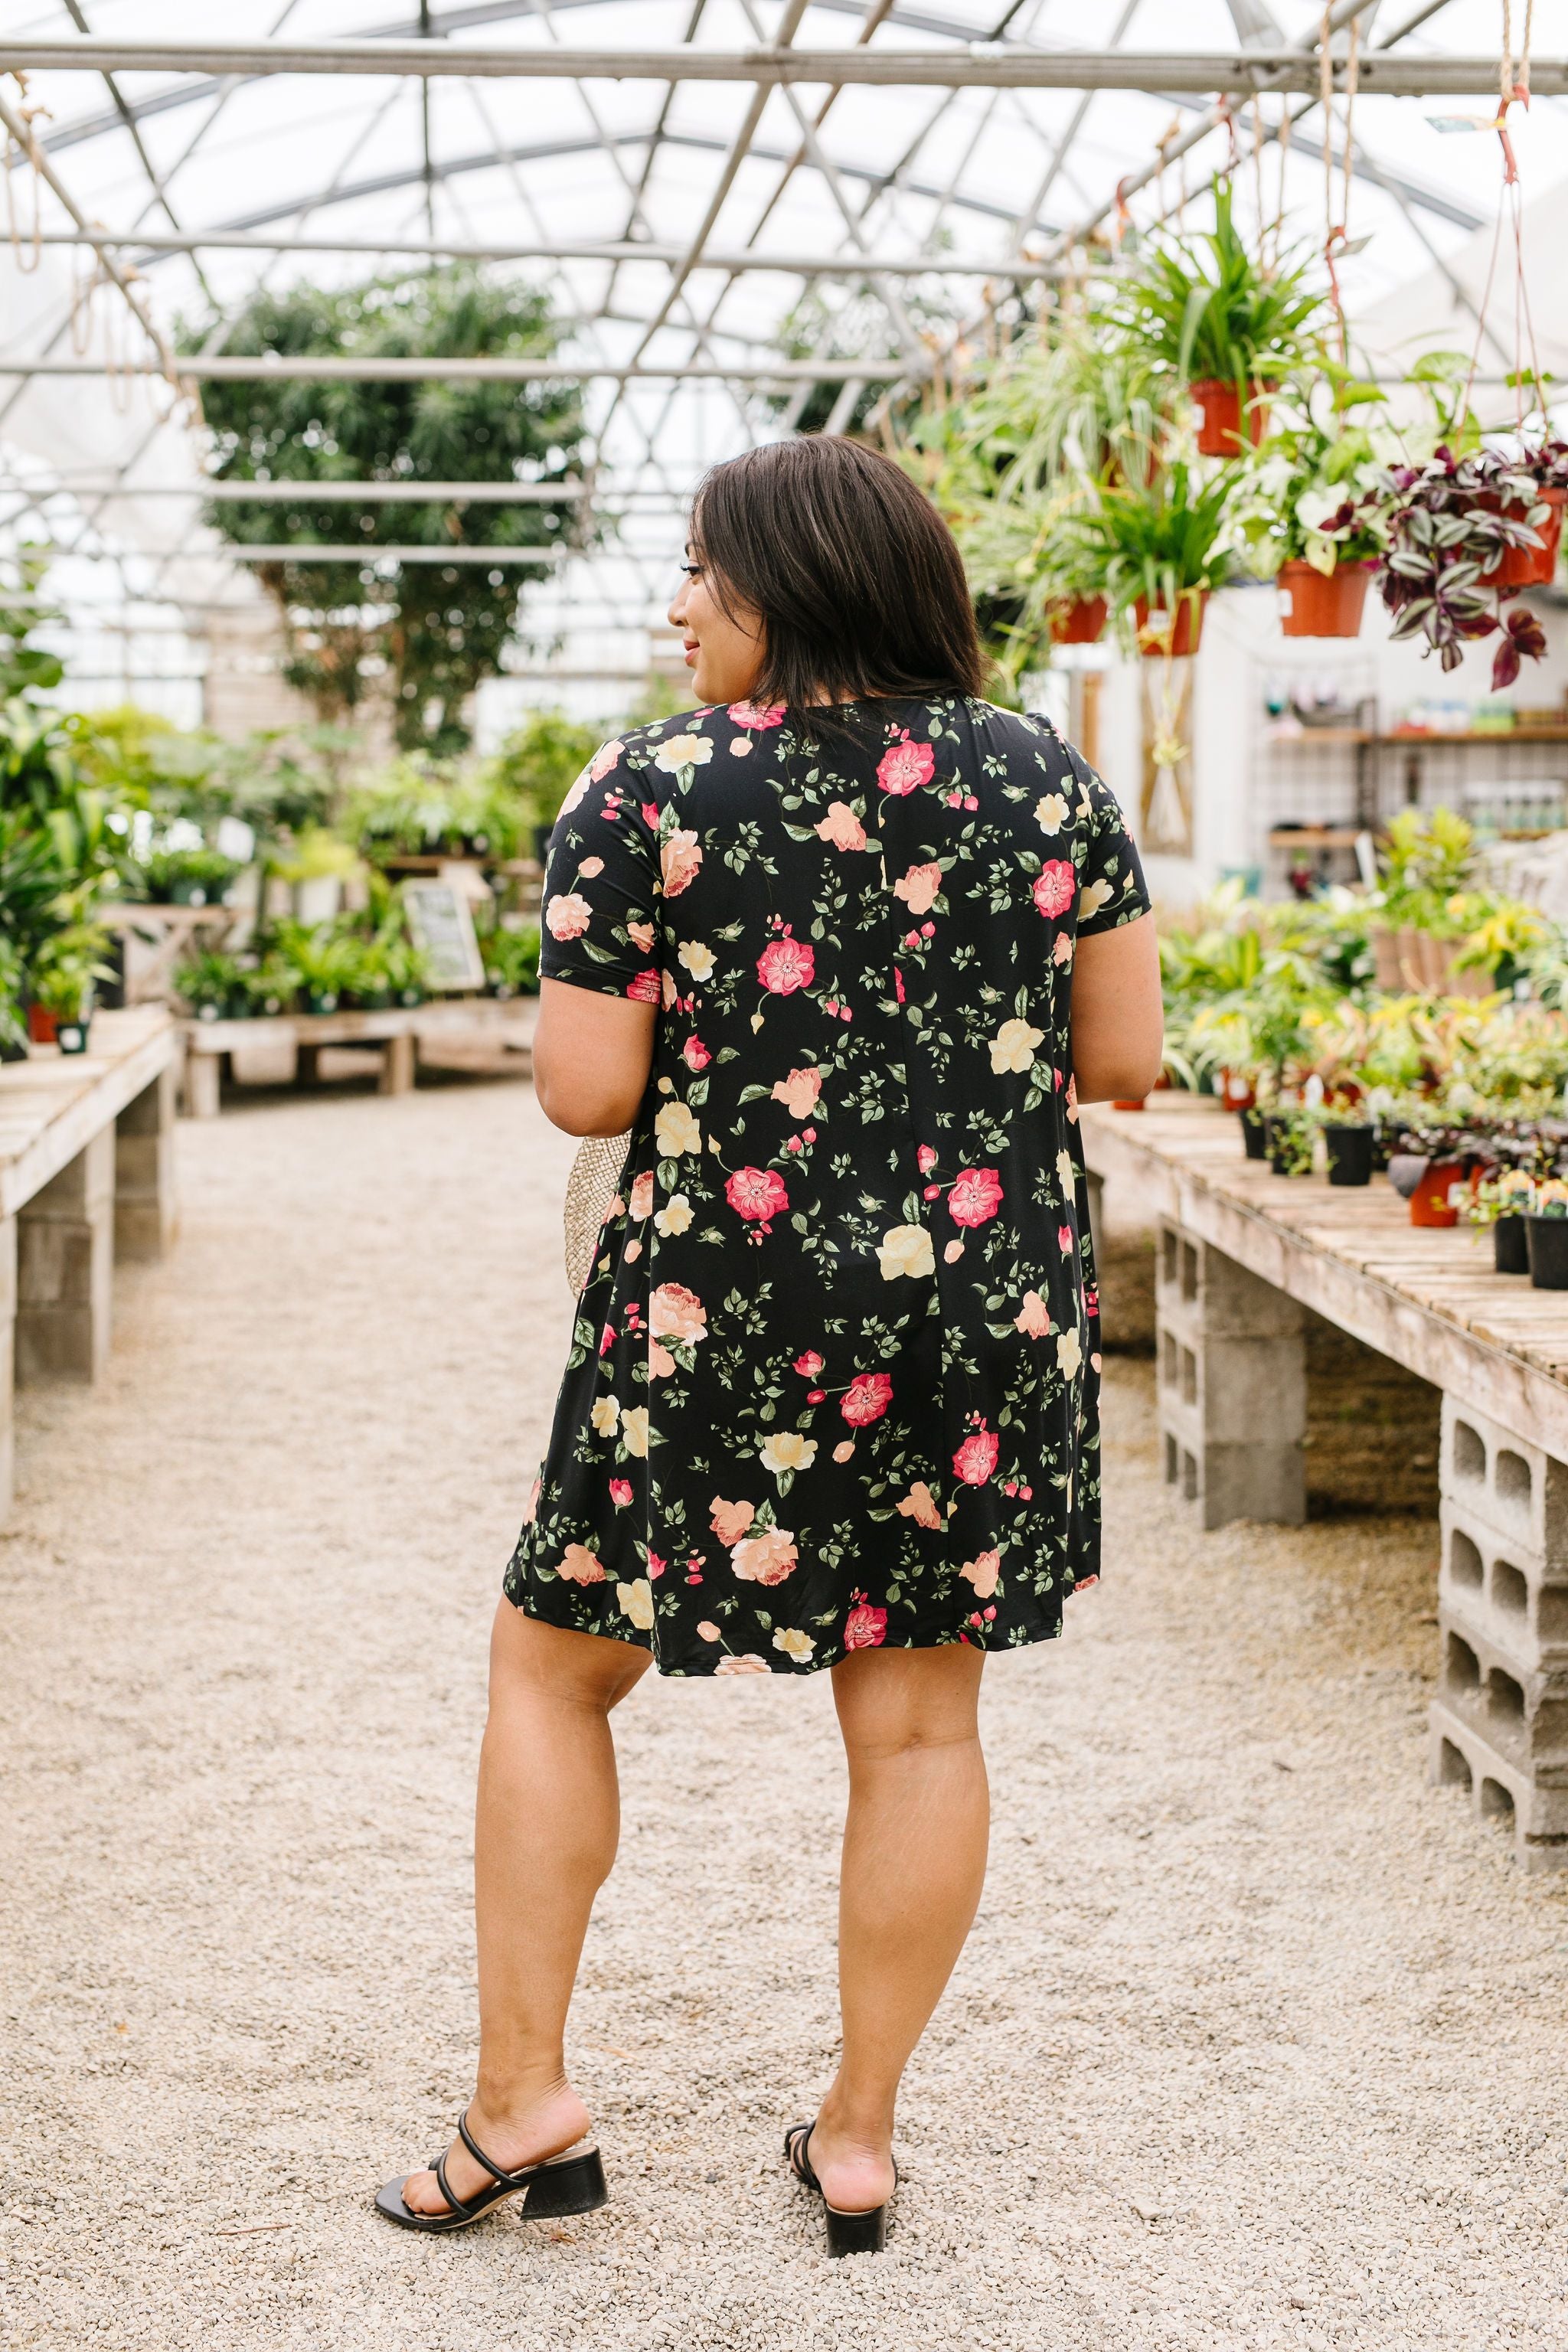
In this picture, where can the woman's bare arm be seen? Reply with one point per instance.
(1118, 1014)
(591, 1055)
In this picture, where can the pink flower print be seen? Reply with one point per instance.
(756, 1194)
(841, 826)
(649, 813)
(642, 1194)
(983, 1572)
(681, 861)
(952, 1253)
(809, 1365)
(603, 760)
(866, 1399)
(1064, 1240)
(591, 866)
(766, 1559)
(898, 985)
(759, 716)
(607, 1338)
(694, 1054)
(816, 1396)
(531, 1509)
(976, 1457)
(1034, 1317)
(1072, 1099)
(567, 916)
(1055, 885)
(676, 1313)
(906, 767)
(646, 989)
(786, 965)
(580, 1566)
(918, 888)
(731, 1520)
(920, 1505)
(800, 1092)
(808, 1135)
(976, 1196)
(925, 1160)
(865, 1628)
(1092, 1304)
(656, 1567)
(1061, 951)
(841, 1453)
(620, 1493)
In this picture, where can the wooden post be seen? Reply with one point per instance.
(397, 1063)
(307, 1064)
(65, 1268)
(204, 1084)
(144, 1213)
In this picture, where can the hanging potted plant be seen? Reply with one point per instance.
(1545, 463)
(1450, 523)
(1226, 327)
(1163, 548)
(1312, 521)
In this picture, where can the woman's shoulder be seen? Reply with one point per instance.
(690, 738)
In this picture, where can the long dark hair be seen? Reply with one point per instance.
(859, 585)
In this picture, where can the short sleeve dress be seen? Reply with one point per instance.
(832, 1380)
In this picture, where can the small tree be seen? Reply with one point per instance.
(430, 632)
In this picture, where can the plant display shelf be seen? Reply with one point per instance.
(1241, 1253)
(398, 1033)
(86, 1176)
(157, 937)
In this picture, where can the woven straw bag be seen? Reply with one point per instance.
(590, 1188)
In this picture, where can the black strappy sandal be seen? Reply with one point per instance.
(572, 2183)
(847, 2234)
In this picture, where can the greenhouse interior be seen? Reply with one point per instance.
(360, 373)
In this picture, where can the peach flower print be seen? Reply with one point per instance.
(660, 1362)
(676, 1313)
(642, 1194)
(748, 1664)
(568, 915)
(681, 861)
(920, 1505)
(983, 1572)
(1033, 1318)
(841, 826)
(920, 889)
(731, 1520)
(766, 1559)
(799, 1093)
(581, 1565)
(603, 760)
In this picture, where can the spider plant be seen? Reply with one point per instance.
(1204, 308)
(1164, 543)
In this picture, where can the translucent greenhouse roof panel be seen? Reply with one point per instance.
(766, 218)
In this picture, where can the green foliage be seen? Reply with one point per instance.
(434, 630)
(25, 668)
(541, 760)
(1426, 861)
(1160, 542)
(66, 967)
(1205, 308)
(187, 878)
(511, 959)
(209, 979)
(1310, 495)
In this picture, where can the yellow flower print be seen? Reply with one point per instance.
(1051, 812)
(676, 1215)
(905, 1249)
(1069, 1354)
(634, 1430)
(793, 1643)
(1013, 1046)
(697, 958)
(683, 752)
(637, 1603)
(1066, 1172)
(787, 1452)
(676, 1130)
(606, 1412)
(1093, 895)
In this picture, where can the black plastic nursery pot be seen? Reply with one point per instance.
(1510, 1246)
(1350, 1152)
(1278, 1148)
(1547, 1238)
(324, 1000)
(71, 1036)
(1252, 1138)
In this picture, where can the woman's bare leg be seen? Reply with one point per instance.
(914, 1862)
(544, 1838)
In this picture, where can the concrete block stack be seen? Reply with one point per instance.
(1232, 1385)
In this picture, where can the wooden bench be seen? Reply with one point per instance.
(398, 1032)
(1241, 1253)
(86, 1176)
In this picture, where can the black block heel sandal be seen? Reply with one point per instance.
(572, 2183)
(847, 2234)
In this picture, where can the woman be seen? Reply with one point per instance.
(845, 949)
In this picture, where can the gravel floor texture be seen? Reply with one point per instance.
(1259, 2042)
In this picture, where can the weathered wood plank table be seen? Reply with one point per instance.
(398, 1032)
(86, 1176)
(1241, 1253)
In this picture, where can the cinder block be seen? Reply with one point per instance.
(64, 1269)
(1499, 1790)
(1519, 1490)
(83, 1185)
(1523, 1715)
(7, 1358)
(1502, 1588)
(1231, 1390)
(151, 1112)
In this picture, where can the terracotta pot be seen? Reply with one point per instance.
(1221, 422)
(1185, 637)
(42, 1026)
(1314, 603)
(1128, 1105)
(1429, 1202)
(1236, 1091)
(1081, 623)
(1531, 567)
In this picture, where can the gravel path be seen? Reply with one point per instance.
(1258, 2040)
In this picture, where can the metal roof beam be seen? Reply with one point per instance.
(142, 243)
(972, 65)
(221, 368)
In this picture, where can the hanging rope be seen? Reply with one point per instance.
(1513, 88)
(27, 115)
(1336, 240)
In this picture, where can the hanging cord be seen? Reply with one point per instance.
(1513, 87)
(1336, 241)
(27, 116)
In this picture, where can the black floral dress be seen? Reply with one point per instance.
(833, 1376)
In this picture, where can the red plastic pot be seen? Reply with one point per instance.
(1429, 1202)
(1314, 603)
(42, 1027)
(1185, 637)
(1080, 622)
(1222, 423)
(1531, 567)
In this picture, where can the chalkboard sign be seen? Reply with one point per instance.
(442, 929)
